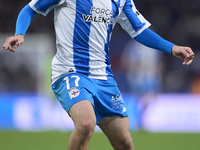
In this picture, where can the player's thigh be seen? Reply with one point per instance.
(72, 92)
(83, 115)
(116, 129)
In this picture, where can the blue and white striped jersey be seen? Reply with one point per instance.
(83, 31)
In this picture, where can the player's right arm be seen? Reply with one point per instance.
(23, 22)
(24, 19)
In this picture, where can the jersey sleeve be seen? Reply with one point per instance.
(24, 19)
(45, 6)
(153, 40)
(131, 20)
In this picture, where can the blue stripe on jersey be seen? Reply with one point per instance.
(115, 8)
(43, 5)
(132, 17)
(81, 37)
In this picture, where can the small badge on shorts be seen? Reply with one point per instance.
(73, 92)
(124, 109)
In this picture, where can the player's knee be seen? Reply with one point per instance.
(87, 128)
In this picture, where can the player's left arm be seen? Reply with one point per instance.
(153, 40)
(137, 27)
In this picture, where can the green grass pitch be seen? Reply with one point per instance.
(15, 140)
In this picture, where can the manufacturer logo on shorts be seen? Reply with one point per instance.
(116, 98)
(73, 92)
(117, 102)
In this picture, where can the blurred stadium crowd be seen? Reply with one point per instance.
(137, 69)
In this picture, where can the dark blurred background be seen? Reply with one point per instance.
(177, 21)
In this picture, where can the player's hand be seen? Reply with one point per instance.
(13, 42)
(184, 53)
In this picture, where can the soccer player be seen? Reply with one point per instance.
(82, 79)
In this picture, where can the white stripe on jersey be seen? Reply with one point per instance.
(64, 41)
(97, 42)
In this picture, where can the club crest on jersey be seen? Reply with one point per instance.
(74, 92)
